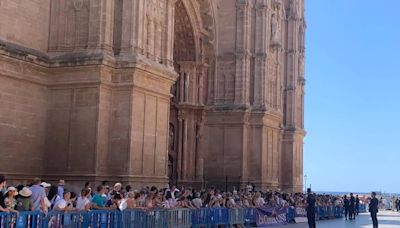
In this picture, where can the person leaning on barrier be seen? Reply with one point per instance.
(10, 200)
(197, 202)
(98, 201)
(83, 202)
(63, 205)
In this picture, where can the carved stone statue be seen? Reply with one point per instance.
(186, 84)
(293, 9)
(275, 29)
(171, 137)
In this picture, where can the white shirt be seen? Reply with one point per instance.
(197, 202)
(82, 202)
(60, 204)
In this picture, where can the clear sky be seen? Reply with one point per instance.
(352, 108)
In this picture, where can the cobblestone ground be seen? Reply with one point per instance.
(387, 219)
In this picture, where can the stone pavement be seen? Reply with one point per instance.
(387, 219)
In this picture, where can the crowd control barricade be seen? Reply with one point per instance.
(157, 218)
(200, 217)
(330, 212)
(321, 213)
(339, 212)
(25, 219)
(236, 216)
(105, 219)
(59, 219)
(291, 214)
(362, 208)
(134, 218)
(180, 218)
(219, 216)
(250, 216)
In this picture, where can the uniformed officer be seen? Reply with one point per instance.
(311, 209)
(373, 209)
(352, 207)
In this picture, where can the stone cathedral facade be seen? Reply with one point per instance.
(194, 92)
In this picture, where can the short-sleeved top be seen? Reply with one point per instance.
(60, 204)
(98, 200)
(82, 202)
(38, 194)
(24, 204)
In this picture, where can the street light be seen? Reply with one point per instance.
(305, 183)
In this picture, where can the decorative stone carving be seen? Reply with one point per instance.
(275, 29)
(78, 4)
(171, 137)
(293, 9)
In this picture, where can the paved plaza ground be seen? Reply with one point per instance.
(387, 219)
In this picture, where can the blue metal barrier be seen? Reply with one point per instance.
(200, 217)
(219, 216)
(250, 216)
(134, 218)
(236, 216)
(179, 218)
(321, 213)
(339, 212)
(157, 218)
(182, 218)
(291, 214)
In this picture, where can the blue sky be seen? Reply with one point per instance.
(352, 109)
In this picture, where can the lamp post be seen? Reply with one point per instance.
(305, 183)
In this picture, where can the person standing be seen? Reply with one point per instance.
(3, 183)
(352, 207)
(311, 209)
(357, 205)
(38, 195)
(373, 209)
(346, 205)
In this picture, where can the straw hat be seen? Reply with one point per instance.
(25, 192)
(61, 182)
(45, 185)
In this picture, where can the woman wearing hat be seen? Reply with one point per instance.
(10, 200)
(24, 201)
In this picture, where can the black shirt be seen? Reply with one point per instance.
(346, 203)
(2, 197)
(311, 203)
(373, 205)
(352, 201)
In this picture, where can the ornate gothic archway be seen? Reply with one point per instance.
(192, 51)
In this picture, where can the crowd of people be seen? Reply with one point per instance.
(42, 196)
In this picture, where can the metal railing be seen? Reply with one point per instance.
(181, 218)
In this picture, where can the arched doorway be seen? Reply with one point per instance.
(188, 97)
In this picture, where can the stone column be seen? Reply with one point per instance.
(179, 159)
(243, 34)
(261, 49)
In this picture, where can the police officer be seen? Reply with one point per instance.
(373, 209)
(311, 208)
(352, 207)
(346, 206)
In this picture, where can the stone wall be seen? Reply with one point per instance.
(23, 117)
(25, 22)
